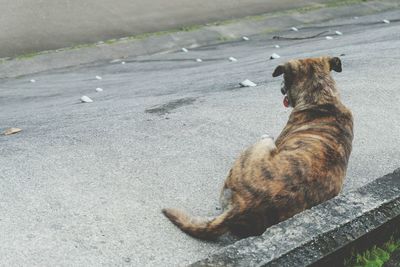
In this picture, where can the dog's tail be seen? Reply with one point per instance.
(201, 228)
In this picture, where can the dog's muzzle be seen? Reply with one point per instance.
(286, 101)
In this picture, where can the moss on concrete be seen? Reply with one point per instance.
(336, 3)
(27, 56)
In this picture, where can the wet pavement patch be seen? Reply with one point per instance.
(171, 105)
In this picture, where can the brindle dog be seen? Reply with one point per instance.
(272, 181)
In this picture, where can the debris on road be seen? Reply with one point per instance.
(33, 81)
(199, 60)
(294, 29)
(274, 56)
(98, 89)
(99, 78)
(247, 83)
(86, 99)
(277, 46)
(245, 38)
(338, 33)
(11, 130)
(386, 21)
(123, 62)
(232, 59)
(184, 50)
(277, 37)
(328, 37)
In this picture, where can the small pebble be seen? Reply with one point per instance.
(32, 81)
(247, 83)
(199, 60)
(98, 89)
(99, 78)
(245, 38)
(294, 29)
(328, 37)
(338, 33)
(12, 130)
(123, 62)
(232, 59)
(274, 56)
(386, 21)
(86, 99)
(184, 50)
(277, 46)
(266, 136)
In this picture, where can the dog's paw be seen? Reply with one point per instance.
(267, 141)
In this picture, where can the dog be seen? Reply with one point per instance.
(273, 180)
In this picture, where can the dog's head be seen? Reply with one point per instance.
(308, 81)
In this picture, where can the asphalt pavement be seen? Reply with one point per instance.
(28, 26)
(83, 183)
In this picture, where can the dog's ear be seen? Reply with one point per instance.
(278, 71)
(335, 64)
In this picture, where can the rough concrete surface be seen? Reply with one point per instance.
(83, 184)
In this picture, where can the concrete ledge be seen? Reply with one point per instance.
(193, 37)
(323, 235)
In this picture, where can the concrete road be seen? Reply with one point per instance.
(83, 184)
(28, 26)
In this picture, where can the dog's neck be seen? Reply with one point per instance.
(319, 92)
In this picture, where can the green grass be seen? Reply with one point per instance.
(29, 55)
(111, 41)
(374, 257)
(336, 3)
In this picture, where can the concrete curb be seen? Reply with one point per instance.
(169, 41)
(323, 235)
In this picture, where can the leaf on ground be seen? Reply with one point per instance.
(10, 131)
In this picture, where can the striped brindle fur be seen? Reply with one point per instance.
(272, 181)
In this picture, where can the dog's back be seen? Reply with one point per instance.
(312, 156)
(306, 165)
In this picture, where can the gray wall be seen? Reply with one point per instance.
(35, 25)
